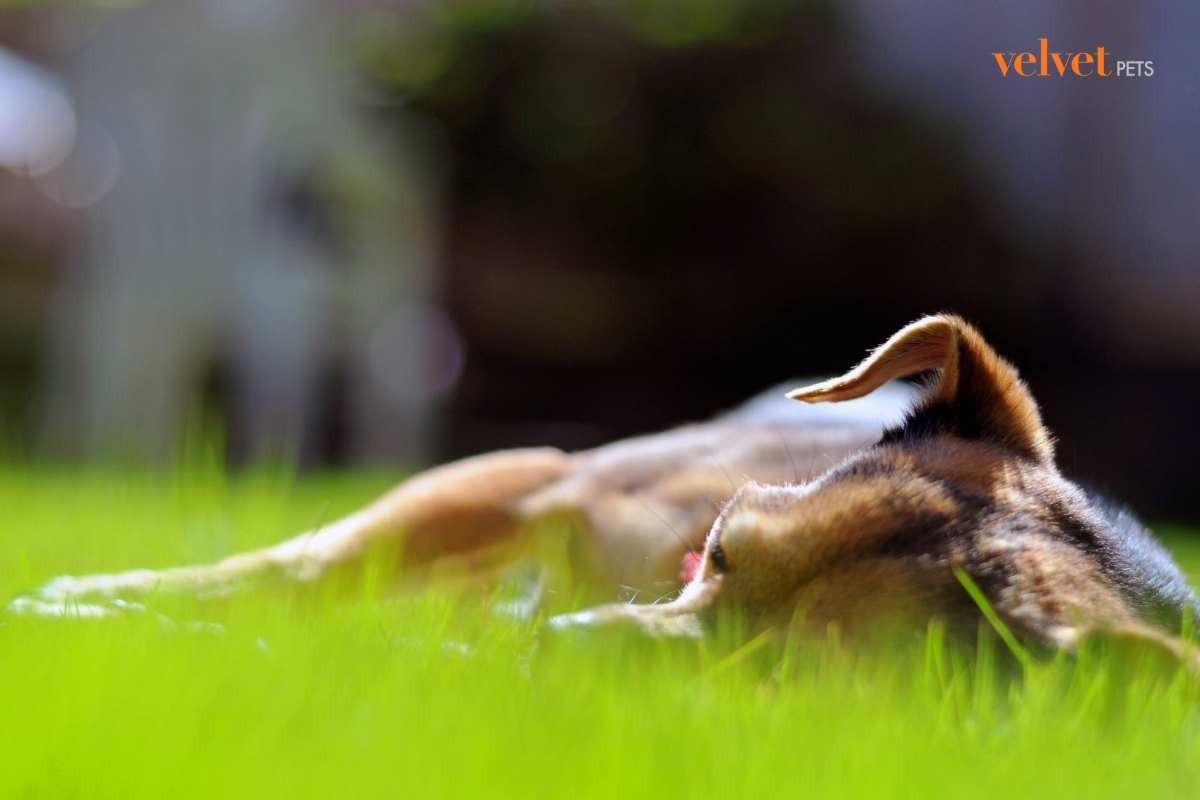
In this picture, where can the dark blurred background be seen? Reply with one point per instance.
(363, 232)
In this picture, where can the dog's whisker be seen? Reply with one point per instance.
(788, 452)
(664, 521)
(733, 486)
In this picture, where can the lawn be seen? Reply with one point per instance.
(434, 696)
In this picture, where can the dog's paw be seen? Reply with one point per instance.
(93, 588)
(37, 605)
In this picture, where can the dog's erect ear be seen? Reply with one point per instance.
(977, 394)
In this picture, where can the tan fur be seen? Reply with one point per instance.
(951, 346)
(816, 519)
(786, 537)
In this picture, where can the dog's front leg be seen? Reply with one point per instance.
(458, 510)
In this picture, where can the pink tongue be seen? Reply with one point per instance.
(690, 566)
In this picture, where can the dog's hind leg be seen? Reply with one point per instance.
(462, 509)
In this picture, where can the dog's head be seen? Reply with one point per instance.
(971, 452)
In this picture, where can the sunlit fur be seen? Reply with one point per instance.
(968, 481)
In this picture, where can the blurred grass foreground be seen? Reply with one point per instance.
(432, 695)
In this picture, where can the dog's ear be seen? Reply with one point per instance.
(977, 394)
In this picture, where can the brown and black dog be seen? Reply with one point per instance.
(842, 516)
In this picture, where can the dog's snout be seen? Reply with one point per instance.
(576, 620)
(657, 621)
(679, 618)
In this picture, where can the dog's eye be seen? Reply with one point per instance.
(717, 555)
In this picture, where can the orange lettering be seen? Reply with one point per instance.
(1045, 62)
(1060, 64)
(1078, 60)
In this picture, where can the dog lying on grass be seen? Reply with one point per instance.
(839, 518)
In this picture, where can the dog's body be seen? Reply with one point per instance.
(822, 514)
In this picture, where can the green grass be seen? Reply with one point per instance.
(432, 696)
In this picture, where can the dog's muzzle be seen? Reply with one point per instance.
(679, 618)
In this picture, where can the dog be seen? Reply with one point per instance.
(890, 505)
